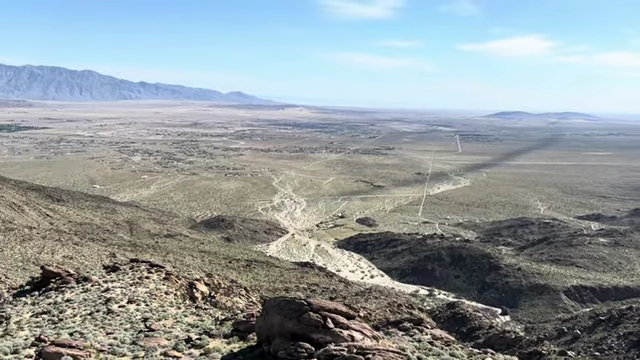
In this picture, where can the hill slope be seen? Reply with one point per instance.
(61, 84)
(44, 225)
(121, 280)
(537, 267)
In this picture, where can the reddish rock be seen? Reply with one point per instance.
(173, 354)
(154, 341)
(55, 272)
(68, 343)
(331, 307)
(290, 328)
(153, 326)
(52, 352)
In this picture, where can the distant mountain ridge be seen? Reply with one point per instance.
(523, 115)
(31, 82)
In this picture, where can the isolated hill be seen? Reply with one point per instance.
(630, 219)
(523, 115)
(56, 83)
(241, 230)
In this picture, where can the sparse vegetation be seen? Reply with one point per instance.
(307, 175)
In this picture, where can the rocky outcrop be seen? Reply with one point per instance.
(290, 328)
(221, 293)
(481, 327)
(51, 277)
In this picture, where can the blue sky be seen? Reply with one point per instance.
(581, 55)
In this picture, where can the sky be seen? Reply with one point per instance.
(533, 55)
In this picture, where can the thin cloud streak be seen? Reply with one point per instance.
(616, 59)
(525, 45)
(362, 9)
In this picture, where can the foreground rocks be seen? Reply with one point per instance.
(290, 328)
(141, 309)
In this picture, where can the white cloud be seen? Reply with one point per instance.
(620, 59)
(379, 62)
(362, 9)
(462, 7)
(617, 60)
(525, 45)
(400, 43)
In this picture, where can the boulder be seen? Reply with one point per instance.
(71, 344)
(198, 291)
(52, 352)
(51, 272)
(244, 326)
(316, 322)
(293, 328)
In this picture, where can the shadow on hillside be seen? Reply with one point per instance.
(253, 352)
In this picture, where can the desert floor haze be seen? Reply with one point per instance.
(201, 230)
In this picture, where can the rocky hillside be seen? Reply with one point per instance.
(57, 83)
(83, 276)
(140, 309)
(534, 267)
(569, 284)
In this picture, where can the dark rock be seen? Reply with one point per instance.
(367, 221)
(291, 350)
(244, 326)
(55, 272)
(149, 263)
(111, 268)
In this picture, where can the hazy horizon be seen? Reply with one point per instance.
(546, 55)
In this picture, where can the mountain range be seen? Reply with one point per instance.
(31, 82)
